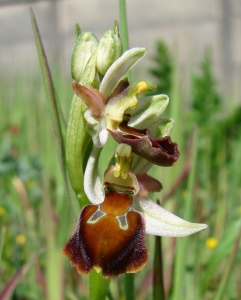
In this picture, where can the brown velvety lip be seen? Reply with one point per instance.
(114, 242)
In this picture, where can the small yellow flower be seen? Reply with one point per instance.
(2, 211)
(211, 243)
(20, 239)
(239, 210)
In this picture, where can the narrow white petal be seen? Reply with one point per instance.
(163, 223)
(119, 68)
(92, 183)
(96, 128)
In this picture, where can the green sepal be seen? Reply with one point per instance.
(76, 145)
(164, 127)
(148, 112)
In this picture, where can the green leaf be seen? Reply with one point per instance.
(10, 286)
(220, 253)
(76, 145)
(58, 121)
(182, 246)
(228, 270)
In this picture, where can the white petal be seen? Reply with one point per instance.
(96, 128)
(163, 223)
(119, 68)
(92, 183)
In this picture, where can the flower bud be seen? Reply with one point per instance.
(85, 46)
(109, 49)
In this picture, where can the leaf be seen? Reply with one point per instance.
(56, 112)
(10, 286)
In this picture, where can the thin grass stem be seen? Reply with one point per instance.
(54, 105)
(129, 287)
(124, 29)
(182, 243)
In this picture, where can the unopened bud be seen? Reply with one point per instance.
(110, 48)
(85, 45)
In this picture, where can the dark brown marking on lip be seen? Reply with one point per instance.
(159, 151)
(105, 244)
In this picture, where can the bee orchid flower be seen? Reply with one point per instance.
(109, 111)
(110, 234)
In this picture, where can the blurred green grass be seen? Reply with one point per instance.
(34, 206)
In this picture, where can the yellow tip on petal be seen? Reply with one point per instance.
(141, 87)
(97, 269)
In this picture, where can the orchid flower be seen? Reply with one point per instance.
(110, 232)
(108, 112)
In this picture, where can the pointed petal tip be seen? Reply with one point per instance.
(163, 223)
(119, 68)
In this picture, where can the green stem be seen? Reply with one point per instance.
(179, 271)
(129, 287)
(158, 284)
(98, 286)
(123, 25)
(124, 29)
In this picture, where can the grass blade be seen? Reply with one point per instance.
(56, 111)
(124, 29)
(10, 286)
(182, 243)
(129, 287)
(229, 267)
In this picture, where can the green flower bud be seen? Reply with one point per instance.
(109, 49)
(85, 45)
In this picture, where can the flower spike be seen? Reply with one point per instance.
(110, 234)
